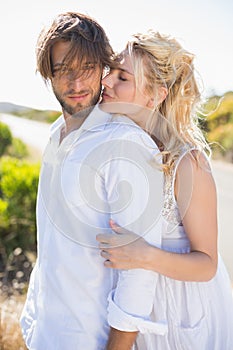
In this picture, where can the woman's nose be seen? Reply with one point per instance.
(108, 81)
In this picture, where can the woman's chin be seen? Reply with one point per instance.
(125, 108)
(110, 107)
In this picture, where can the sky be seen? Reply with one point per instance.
(203, 27)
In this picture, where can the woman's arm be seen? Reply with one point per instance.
(196, 198)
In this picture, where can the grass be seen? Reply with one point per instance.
(10, 333)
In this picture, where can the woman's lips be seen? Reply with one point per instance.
(106, 97)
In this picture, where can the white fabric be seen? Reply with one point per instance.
(99, 171)
(126, 322)
(199, 315)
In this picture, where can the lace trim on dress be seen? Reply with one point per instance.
(170, 210)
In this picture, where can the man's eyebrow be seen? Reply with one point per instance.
(59, 64)
(62, 64)
(89, 62)
(59, 67)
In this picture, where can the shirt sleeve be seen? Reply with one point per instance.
(134, 190)
(29, 313)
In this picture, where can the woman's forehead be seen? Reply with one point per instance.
(125, 62)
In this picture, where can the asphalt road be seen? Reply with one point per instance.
(36, 134)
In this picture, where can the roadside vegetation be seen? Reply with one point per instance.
(35, 114)
(217, 122)
(18, 186)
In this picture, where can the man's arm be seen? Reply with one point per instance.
(134, 192)
(119, 340)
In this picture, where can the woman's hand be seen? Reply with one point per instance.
(122, 249)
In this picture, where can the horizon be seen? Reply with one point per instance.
(25, 107)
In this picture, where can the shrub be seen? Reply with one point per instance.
(5, 138)
(219, 123)
(17, 149)
(18, 188)
(40, 115)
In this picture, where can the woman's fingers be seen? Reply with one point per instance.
(110, 240)
(116, 228)
(104, 238)
(104, 254)
(117, 239)
(107, 256)
(108, 263)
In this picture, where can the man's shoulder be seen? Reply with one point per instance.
(57, 124)
(123, 128)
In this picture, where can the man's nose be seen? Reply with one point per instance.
(76, 79)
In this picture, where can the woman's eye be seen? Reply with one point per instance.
(122, 78)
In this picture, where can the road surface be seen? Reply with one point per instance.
(223, 174)
(36, 134)
(33, 133)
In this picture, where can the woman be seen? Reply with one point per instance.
(193, 294)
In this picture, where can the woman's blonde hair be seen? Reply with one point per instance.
(160, 61)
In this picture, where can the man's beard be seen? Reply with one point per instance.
(79, 110)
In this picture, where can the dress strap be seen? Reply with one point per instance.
(170, 209)
(182, 155)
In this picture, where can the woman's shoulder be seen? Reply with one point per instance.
(194, 169)
(192, 158)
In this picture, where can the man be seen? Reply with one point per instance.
(86, 179)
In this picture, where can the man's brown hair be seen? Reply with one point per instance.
(88, 43)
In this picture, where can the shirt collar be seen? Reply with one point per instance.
(96, 121)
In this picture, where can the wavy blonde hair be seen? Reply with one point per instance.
(160, 61)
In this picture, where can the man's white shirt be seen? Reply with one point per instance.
(105, 169)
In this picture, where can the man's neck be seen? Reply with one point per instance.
(73, 122)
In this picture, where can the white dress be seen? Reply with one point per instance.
(199, 315)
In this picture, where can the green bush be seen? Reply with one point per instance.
(219, 123)
(40, 115)
(18, 189)
(17, 149)
(222, 135)
(5, 138)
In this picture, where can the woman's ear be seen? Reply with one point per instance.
(151, 103)
(162, 94)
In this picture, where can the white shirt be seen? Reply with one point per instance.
(100, 171)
